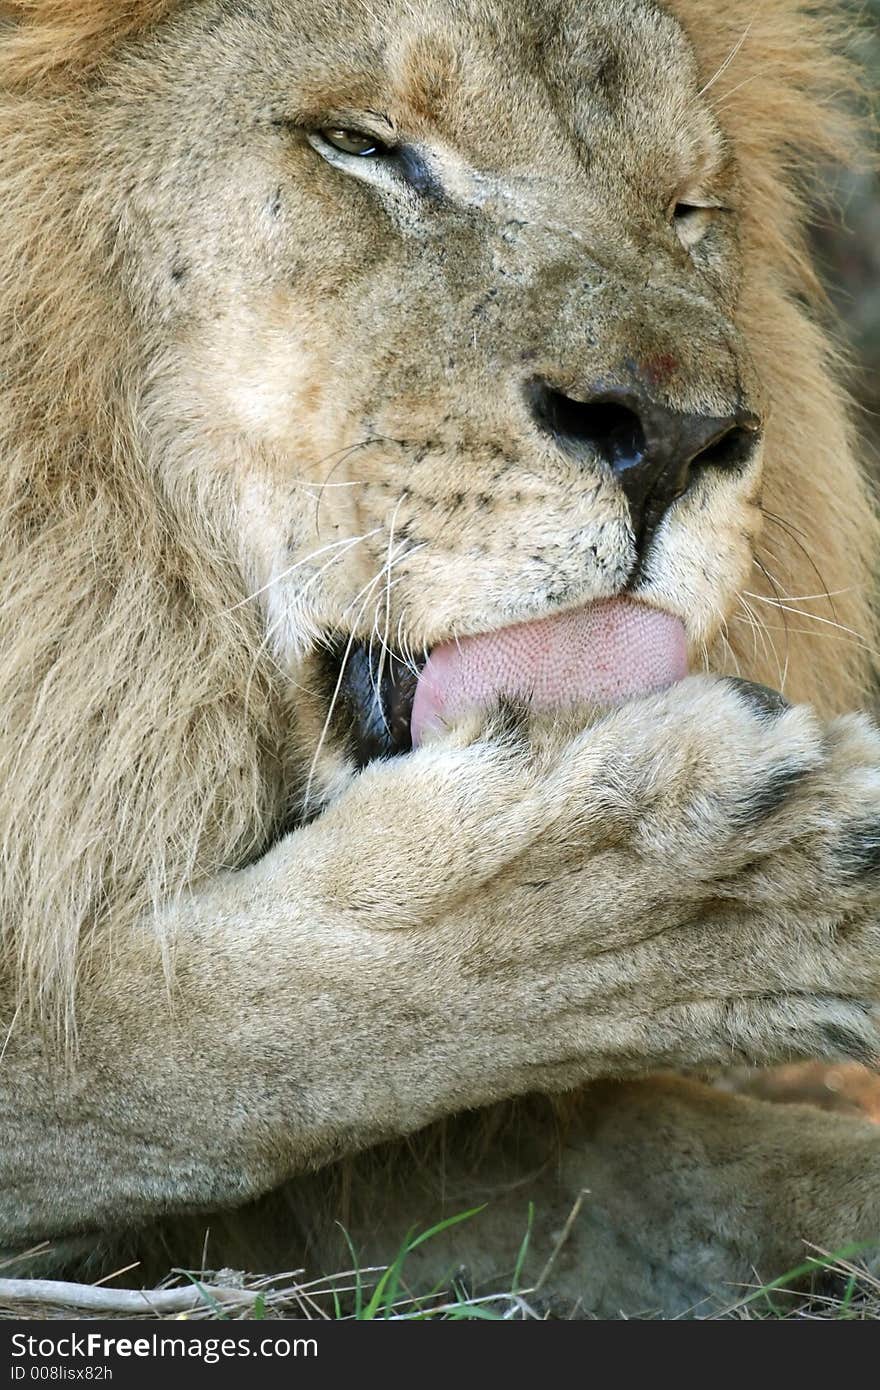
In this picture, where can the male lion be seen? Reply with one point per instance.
(335, 334)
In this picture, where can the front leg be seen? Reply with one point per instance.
(494, 915)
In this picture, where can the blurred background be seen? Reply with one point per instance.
(846, 234)
(847, 237)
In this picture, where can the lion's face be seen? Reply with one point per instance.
(425, 287)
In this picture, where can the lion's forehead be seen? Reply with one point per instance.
(567, 127)
(489, 77)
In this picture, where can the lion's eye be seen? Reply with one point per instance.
(690, 221)
(352, 142)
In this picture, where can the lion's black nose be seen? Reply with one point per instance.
(654, 452)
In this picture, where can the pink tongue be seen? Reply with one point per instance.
(602, 654)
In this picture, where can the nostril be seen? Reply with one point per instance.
(615, 432)
(609, 429)
(652, 451)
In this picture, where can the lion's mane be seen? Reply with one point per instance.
(145, 733)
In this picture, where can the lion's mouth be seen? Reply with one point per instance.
(602, 654)
(373, 691)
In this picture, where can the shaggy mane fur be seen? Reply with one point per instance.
(144, 739)
(65, 38)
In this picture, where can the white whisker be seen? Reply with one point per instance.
(760, 629)
(750, 619)
(809, 598)
(731, 652)
(807, 631)
(804, 613)
(728, 60)
(366, 594)
(356, 482)
(307, 795)
(811, 632)
(826, 595)
(401, 653)
(388, 562)
(346, 541)
(722, 105)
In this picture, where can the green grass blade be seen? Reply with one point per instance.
(446, 1225)
(385, 1291)
(523, 1251)
(355, 1264)
(809, 1266)
(207, 1296)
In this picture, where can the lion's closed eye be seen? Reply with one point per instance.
(691, 221)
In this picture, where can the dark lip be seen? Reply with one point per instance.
(374, 692)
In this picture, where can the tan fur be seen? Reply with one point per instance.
(228, 365)
(64, 38)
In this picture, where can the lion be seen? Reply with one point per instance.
(349, 348)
